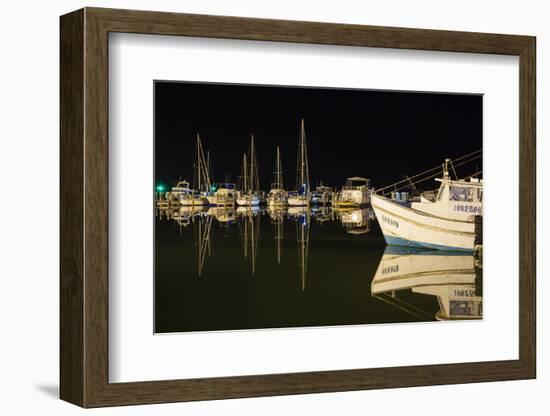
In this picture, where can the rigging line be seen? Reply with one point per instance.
(430, 170)
(404, 186)
(432, 175)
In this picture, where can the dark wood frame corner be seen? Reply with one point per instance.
(84, 207)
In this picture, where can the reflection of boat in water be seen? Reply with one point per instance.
(250, 191)
(356, 221)
(301, 197)
(248, 211)
(223, 215)
(277, 196)
(321, 213)
(294, 212)
(444, 221)
(449, 276)
(355, 193)
(183, 215)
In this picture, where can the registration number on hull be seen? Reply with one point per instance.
(390, 221)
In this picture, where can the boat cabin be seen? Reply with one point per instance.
(356, 183)
(182, 188)
(456, 199)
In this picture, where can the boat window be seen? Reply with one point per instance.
(480, 195)
(461, 193)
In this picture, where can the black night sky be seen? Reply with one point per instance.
(381, 135)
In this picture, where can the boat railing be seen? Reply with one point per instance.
(354, 187)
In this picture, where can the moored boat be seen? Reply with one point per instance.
(187, 196)
(443, 221)
(250, 194)
(222, 194)
(322, 195)
(301, 197)
(277, 196)
(355, 193)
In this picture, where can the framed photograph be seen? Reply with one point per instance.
(255, 207)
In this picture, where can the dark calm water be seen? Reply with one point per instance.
(243, 269)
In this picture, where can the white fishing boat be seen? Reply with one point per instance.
(277, 196)
(443, 221)
(250, 193)
(449, 276)
(355, 193)
(301, 197)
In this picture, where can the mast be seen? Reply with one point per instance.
(302, 170)
(203, 176)
(278, 171)
(199, 184)
(245, 174)
(251, 164)
(209, 167)
(254, 185)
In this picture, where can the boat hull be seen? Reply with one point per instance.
(193, 202)
(298, 201)
(248, 202)
(215, 200)
(404, 226)
(276, 203)
(352, 198)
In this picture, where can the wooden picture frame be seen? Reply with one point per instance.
(84, 207)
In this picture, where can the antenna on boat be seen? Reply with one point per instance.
(446, 169)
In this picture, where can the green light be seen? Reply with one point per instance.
(160, 188)
(213, 188)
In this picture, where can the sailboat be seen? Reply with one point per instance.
(301, 197)
(220, 194)
(250, 194)
(182, 191)
(277, 195)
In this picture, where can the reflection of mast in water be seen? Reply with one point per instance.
(251, 233)
(203, 241)
(279, 238)
(303, 245)
(277, 216)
